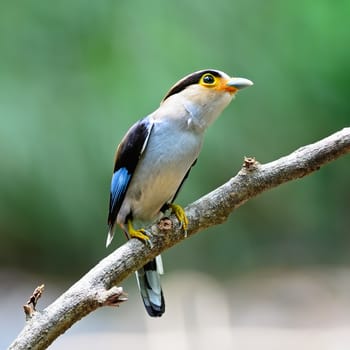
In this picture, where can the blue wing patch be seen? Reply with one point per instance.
(119, 184)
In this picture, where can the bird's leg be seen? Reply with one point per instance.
(141, 234)
(181, 216)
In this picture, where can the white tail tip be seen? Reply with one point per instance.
(109, 238)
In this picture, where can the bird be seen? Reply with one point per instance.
(155, 157)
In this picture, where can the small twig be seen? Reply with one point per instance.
(29, 308)
(250, 163)
(113, 297)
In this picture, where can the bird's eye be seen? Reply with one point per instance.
(208, 79)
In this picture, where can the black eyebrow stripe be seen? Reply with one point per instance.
(189, 80)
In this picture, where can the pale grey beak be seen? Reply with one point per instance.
(239, 83)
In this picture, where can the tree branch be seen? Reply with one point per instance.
(98, 287)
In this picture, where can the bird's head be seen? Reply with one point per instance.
(205, 93)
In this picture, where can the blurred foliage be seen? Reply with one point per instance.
(76, 75)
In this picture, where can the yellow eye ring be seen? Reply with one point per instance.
(208, 80)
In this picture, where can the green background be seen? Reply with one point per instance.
(76, 75)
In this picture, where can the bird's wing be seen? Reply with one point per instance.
(128, 154)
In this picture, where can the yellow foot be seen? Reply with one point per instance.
(181, 216)
(140, 234)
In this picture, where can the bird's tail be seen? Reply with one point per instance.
(148, 280)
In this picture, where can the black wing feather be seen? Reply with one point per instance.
(127, 157)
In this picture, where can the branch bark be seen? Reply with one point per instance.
(98, 287)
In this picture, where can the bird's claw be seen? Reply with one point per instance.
(140, 234)
(147, 241)
(181, 216)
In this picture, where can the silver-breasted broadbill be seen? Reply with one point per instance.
(155, 157)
